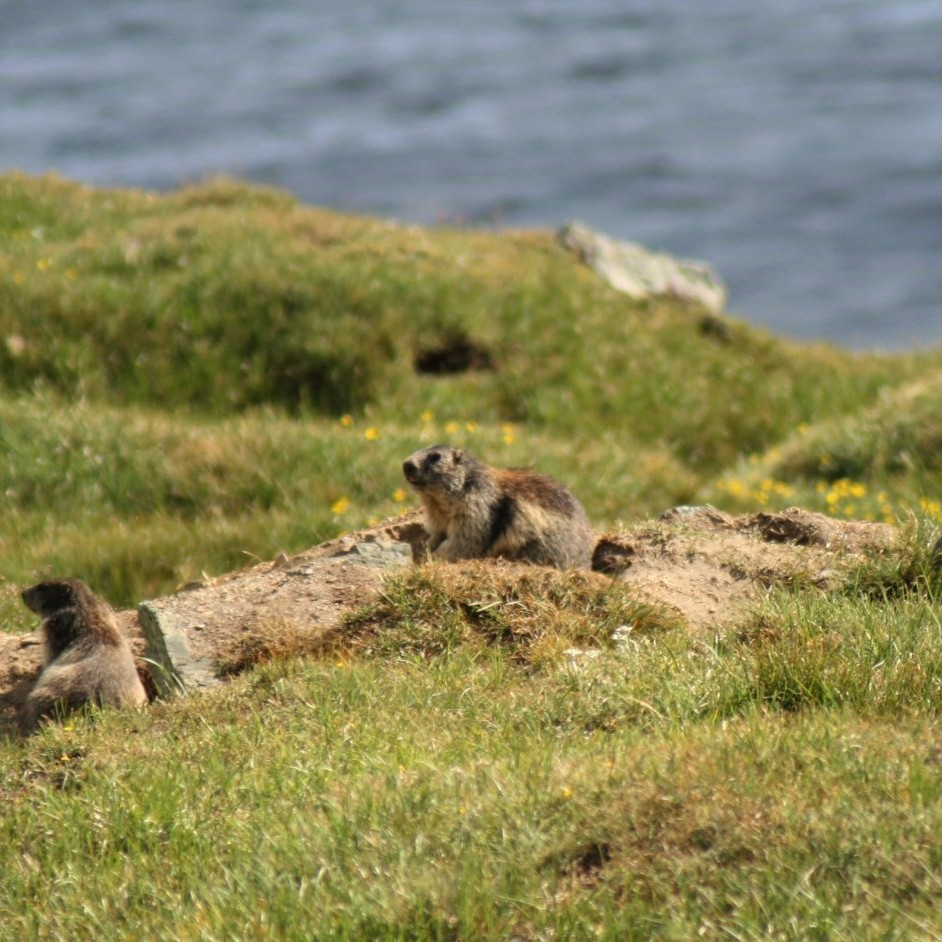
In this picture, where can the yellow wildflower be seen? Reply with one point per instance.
(451, 427)
(340, 505)
(371, 434)
(43, 264)
(930, 507)
(427, 416)
(399, 495)
(346, 421)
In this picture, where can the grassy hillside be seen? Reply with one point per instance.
(192, 381)
(193, 377)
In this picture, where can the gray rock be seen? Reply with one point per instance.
(170, 661)
(634, 270)
(187, 633)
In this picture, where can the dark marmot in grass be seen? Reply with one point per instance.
(86, 659)
(474, 511)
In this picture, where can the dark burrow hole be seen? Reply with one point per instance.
(457, 353)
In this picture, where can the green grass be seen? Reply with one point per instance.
(467, 797)
(193, 381)
(220, 298)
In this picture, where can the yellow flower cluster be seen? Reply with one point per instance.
(340, 505)
(852, 500)
(842, 497)
(761, 494)
(931, 508)
(43, 265)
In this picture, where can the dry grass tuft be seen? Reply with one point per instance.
(271, 640)
(533, 612)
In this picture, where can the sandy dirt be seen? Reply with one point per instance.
(709, 565)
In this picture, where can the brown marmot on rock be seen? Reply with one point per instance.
(473, 511)
(86, 659)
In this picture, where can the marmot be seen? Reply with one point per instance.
(86, 659)
(473, 511)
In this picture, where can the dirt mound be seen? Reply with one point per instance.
(708, 564)
(705, 564)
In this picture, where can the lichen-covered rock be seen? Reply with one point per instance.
(634, 270)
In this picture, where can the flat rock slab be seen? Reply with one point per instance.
(186, 633)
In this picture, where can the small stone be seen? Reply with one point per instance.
(621, 635)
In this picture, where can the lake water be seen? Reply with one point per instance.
(795, 145)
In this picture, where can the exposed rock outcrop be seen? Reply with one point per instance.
(637, 272)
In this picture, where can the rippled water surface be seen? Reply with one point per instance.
(796, 145)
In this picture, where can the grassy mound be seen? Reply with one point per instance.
(222, 297)
(191, 379)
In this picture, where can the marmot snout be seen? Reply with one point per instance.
(438, 468)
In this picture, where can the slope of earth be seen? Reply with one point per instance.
(705, 566)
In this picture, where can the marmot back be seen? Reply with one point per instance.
(86, 659)
(474, 511)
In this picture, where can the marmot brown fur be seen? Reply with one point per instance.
(86, 659)
(473, 511)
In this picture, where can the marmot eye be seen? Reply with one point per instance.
(434, 457)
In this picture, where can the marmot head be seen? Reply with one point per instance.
(440, 468)
(47, 598)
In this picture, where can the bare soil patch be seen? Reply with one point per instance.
(710, 565)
